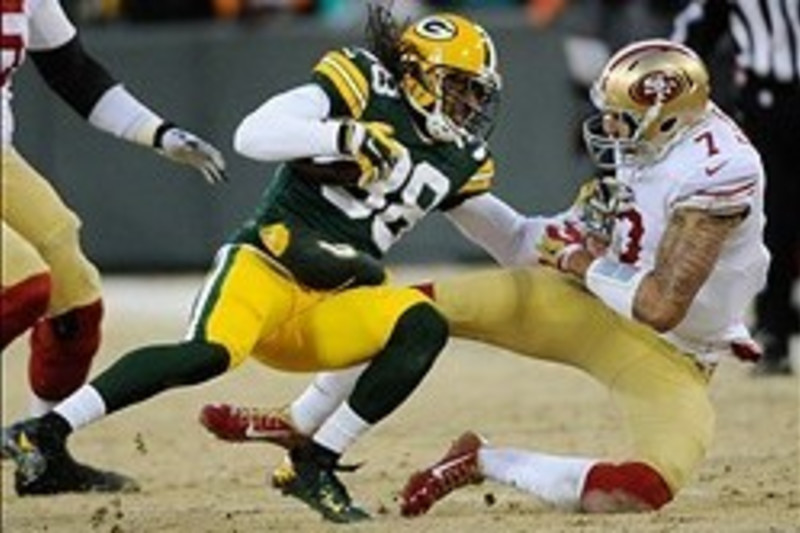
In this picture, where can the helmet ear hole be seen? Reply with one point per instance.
(668, 124)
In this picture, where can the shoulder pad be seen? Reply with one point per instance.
(344, 74)
(481, 181)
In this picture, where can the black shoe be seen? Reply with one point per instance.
(768, 366)
(775, 360)
(318, 487)
(44, 465)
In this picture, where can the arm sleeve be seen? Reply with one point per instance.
(291, 125)
(93, 93)
(701, 24)
(509, 237)
(74, 75)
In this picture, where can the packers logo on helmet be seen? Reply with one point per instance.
(436, 29)
(648, 95)
(450, 76)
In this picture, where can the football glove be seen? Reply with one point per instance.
(187, 148)
(559, 241)
(373, 147)
(598, 203)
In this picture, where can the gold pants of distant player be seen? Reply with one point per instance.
(40, 234)
(543, 314)
(251, 308)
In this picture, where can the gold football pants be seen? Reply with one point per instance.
(543, 314)
(251, 308)
(40, 234)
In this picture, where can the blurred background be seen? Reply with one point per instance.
(205, 64)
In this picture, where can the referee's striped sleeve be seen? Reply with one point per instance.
(766, 34)
(342, 77)
(701, 24)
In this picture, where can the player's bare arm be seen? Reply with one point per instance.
(686, 256)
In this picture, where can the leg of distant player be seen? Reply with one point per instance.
(26, 286)
(661, 392)
(48, 284)
(777, 318)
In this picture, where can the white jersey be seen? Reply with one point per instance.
(714, 168)
(27, 25)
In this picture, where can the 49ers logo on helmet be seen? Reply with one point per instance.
(657, 86)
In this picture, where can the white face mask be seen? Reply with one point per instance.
(611, 151)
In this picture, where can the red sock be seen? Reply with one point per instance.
(624, 487)
(62, 348)
(21, 305)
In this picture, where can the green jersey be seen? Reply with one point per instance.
(371, 219)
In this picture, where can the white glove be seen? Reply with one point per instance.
(187, 148)
(599, 202)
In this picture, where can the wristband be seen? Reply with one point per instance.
(158, 136)
(119, 113)
(615, 283)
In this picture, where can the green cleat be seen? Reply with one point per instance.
(319, 488)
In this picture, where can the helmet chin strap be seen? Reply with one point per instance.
(437, 124)
(441, 128)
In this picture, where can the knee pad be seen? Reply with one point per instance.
(393, 374)
(427, 330)
(623, 488)
(62, 349)
(22, 305)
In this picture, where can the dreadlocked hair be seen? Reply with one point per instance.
(383, 34)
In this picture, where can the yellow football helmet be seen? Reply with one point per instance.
(450, 76)
(648, 94)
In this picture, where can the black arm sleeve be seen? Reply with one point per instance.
(74, 75)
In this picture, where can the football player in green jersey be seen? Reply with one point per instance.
(378, 138)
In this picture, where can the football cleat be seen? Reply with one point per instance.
(44, 466)
(283, 474)
(318, 487)
(459, 467)
(251, 424)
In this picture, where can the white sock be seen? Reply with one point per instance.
(40, 406)
(555, 479)
(341, 429)
(83, 407)
(322, 397)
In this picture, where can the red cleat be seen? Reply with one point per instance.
(458, 468)
(251, 424)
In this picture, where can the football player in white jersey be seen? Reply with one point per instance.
(48, 285)
(650, 288)
(652, 271)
